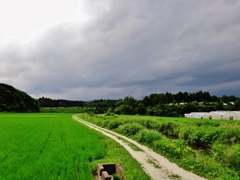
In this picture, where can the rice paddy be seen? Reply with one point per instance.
(39, 147)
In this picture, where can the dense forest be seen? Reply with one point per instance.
(14, 100)
(47, 102)
(163, 104)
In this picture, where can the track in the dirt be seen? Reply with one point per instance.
(157, 166)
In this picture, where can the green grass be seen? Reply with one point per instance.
(188, 142)
(54, 146)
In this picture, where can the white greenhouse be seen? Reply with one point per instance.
(195, 115)
(232, 115)
(215, 115)
(224, 115)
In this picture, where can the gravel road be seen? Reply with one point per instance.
(157, 166)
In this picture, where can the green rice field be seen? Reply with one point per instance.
(54, 146)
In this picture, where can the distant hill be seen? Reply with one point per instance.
(14, 100)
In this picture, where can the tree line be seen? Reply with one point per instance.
(47, 102)
(162, 104)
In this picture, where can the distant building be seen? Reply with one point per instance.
(215, 115)
(232, 115)
(195, 115)
(225, 104)
(224, 115)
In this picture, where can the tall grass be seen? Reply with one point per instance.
(188, 142)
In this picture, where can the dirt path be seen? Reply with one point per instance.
(157, 166)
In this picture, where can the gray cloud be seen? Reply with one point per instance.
(131, 48)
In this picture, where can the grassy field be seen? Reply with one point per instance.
(54, 146)
(63, 110)
(210, 148)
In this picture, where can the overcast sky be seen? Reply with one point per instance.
(91, 49)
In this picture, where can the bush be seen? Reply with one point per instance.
(174, 148)
(229, 156)
(148, 136)
(109, 114)
(113, 124)
(230, 135)
(130, 128)
(166, 128)
(200, 137)
(116, 177)
(105, 123)
(185, 133)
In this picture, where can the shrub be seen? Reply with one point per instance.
(148, 136)
(185, 133)
(229, 156)
(113, 124)
(230, 135)
(200, 137)
(174, 148)
(105, 123)
(130, 128)
(116, 177)
(109, 114)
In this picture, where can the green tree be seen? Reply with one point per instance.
(141, 109)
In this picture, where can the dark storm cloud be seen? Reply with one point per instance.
(131, 48)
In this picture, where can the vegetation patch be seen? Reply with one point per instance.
(175, 177)
(133, 146)
(188, 142)
(153, 162)
(14, 100)
(62, 110)
(53, 146)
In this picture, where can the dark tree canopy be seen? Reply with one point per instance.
(14, 100)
